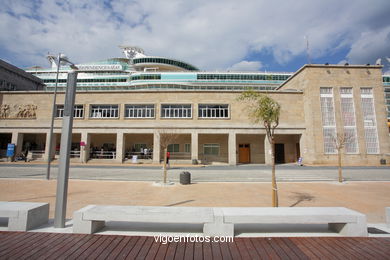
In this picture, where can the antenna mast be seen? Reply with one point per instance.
(307, 50)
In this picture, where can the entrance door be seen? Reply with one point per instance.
(244, 154)
(279, 153)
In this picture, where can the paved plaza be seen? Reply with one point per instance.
(222, 173)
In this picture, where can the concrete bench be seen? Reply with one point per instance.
(342, 220)
(23, 216)
(388, 216)
(92, 218)
(220, 221)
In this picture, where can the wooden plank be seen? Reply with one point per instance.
(36, 247)
(127, 249)
(198, 250)
(372, 248)
(137, 248)
(145, 248)
(298, 252)
(306, 248)
(20, 244)
(62, 250)
(207, 251)
(93, 247)
(277, 248)
(225, 251)
(7, 235)
(324, 250)
(290, 253)
(15, 239)
(352, 249)
(242, 248)
(268, 248)
(171, 251)
(189, 252)
(180, 250)
(162, 251)
(84, 247)
(251, 249)
(107, 241)
(76, 246)
(110, 248)
(153, 250)
(262, 253)
(331, 245)
(58, 248)
(216, 250)
(119, 247)
(234, 252)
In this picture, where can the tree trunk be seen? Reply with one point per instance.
(275, 201)
(165, 165)
(339, 165)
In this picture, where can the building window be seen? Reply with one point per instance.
(211, 149)
(328, 120)
(349, 120)
(139, 111)
(370, 128)
(213, 111)
(176, 111)
(104, 111)
(78, 111)
(139, 148)
(187, 148)
(173, 148)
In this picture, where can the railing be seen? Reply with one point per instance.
(73, 153)
(148, 155)
(36, 154)
(180, 156)
(102, 155)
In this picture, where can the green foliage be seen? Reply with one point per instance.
(262, 108)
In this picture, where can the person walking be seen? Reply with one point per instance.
(168, 156)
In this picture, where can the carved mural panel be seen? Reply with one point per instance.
(26, 111)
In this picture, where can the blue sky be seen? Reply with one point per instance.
(210, 34)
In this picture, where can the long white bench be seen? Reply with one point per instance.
(387, 209)
(345, 221)
(220, 221)
(92, 218)
(23, 216)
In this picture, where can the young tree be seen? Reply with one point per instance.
(339, 141)
(264, 109)
(166, 138)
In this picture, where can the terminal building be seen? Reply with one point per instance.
(125, 106)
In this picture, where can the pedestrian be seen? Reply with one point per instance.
(168, 156)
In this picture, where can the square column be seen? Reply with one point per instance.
(120, 147)
(232, 149)
(17, 139)
(156, 148)
(194, 146)
(267, 151)
(53, 147)
(85, 150)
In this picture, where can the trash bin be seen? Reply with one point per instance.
(185, 178)
(383, 161)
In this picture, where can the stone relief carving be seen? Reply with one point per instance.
(18, 111)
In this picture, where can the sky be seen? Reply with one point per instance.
(215, 35)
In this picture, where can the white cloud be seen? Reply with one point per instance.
(210, 34)
(246, 66)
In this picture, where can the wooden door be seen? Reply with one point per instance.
(244, 153)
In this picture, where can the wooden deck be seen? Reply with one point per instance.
(31, 245)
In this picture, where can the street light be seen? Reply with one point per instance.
(61, 58)
(66, 142)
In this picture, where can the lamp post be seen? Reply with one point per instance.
(66, 142)
(60, 58)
